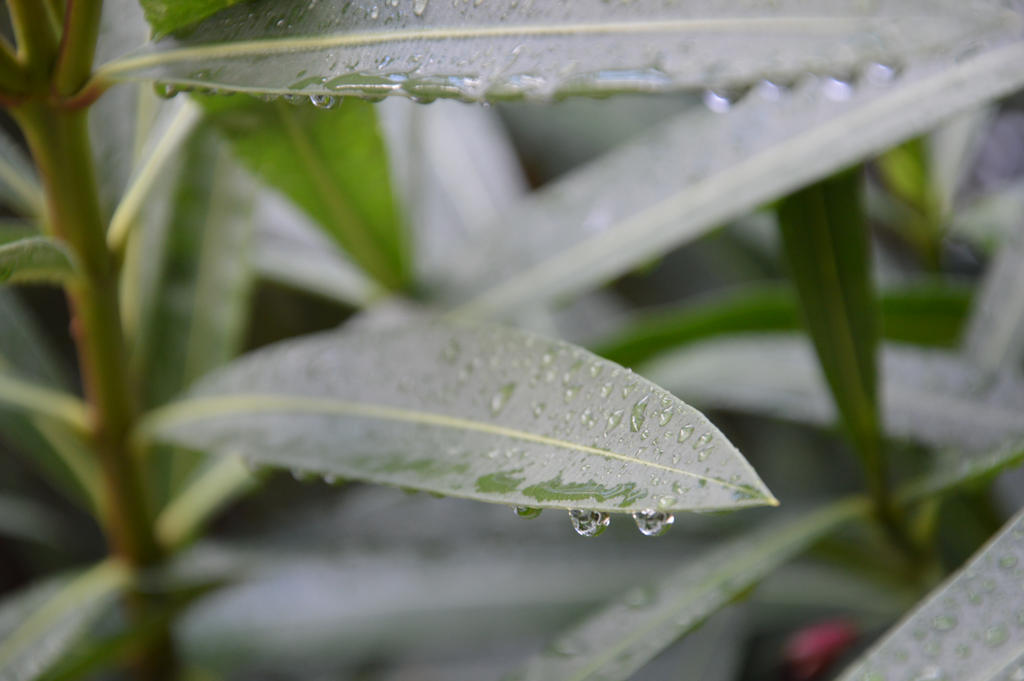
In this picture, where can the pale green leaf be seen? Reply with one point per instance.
(333, 165)
(28, 520)
(39, 627)
(20, 188)
(685, 177)
(995, 333)
(430, 48)
(464, 410)
(616, 641)
(968, 629)
(929, 396)
(35, 260)
(166, 16)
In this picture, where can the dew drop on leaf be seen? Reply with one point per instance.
(653, 523)
(323, 101)
(684, 433)
(527, 511)
(589, 523)
(500, 398)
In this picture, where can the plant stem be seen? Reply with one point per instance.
(36, 34)
(74, 63)
(60, 145)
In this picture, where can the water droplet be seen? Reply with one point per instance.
(589, 523)
(588, 419)
(303, 476)
(717, 102)
(374, 12)
(333, 480)
(665, 416)
(836, 90)
(996, 636)
(703, 440)
(930, 674)
(879, 74)
(666, 502)
(570, 393)
(703, 454)
(943, 622)
(538, 409)
(323, 101)
(1008, 562)
(627, 389)
(419, 6)
(638, 415)
(639, 596)
(684, 433)
(652, 523)
(500, 398)
(527, 511)
(165, 90)
(962, 650)
(614, 419)
(768, 91)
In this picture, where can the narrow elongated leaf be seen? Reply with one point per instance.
(29, 520)
(968, 629)
(199, 273)
(333, 165)
(425, 48)
(928, 315)
(38, 628)
(470, 411)
(703, 169)
(931, 397)
(623, 636)
(19, 186)
(34, 260)
(995, 336)
(827, 245)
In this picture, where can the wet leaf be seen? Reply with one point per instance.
(619, 639)
(968, 629)
(465, 410)
(430, 48)
(167, 16)
(38, 626)
(666, 188)
(933, 397)
(34, 260)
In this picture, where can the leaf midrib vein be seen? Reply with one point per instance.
(197, 409)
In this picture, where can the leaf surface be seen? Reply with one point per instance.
(691, 174)
(967, 629)
(19, 185)
(34, 260)
(472, 411)
(619, 639)
(333, 165)
(429, 48)
(930, 396)
(167, 16)
(37, 627)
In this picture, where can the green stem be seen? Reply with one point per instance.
(12, 75)
(81, 28)
(36, 34)
(60, 145)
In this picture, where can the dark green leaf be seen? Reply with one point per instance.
(465, 410)
(332, 164)
(828, 249)
(167, 16)
(927, 315)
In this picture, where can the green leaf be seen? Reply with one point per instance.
(619, 639)
(35, 260)
(968, 629)
(333, 165)
(470, 411)
(167, 16)
(37, 627)
(665, 188)
(28, 520)
(995, 334)
(827, 245)
(336, 47)
(927, 314)
(196, 275)
(19, 185)
(930, 396)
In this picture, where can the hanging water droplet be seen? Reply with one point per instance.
(717, 102)
(836, 90)
(589, 523)
(419, 6)
(165, 90)
(303, 476)
(653, 523)
(500, 398)
(323, 101)
(614, 419)
(527, 511)
(684, 433)
(638, 415)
